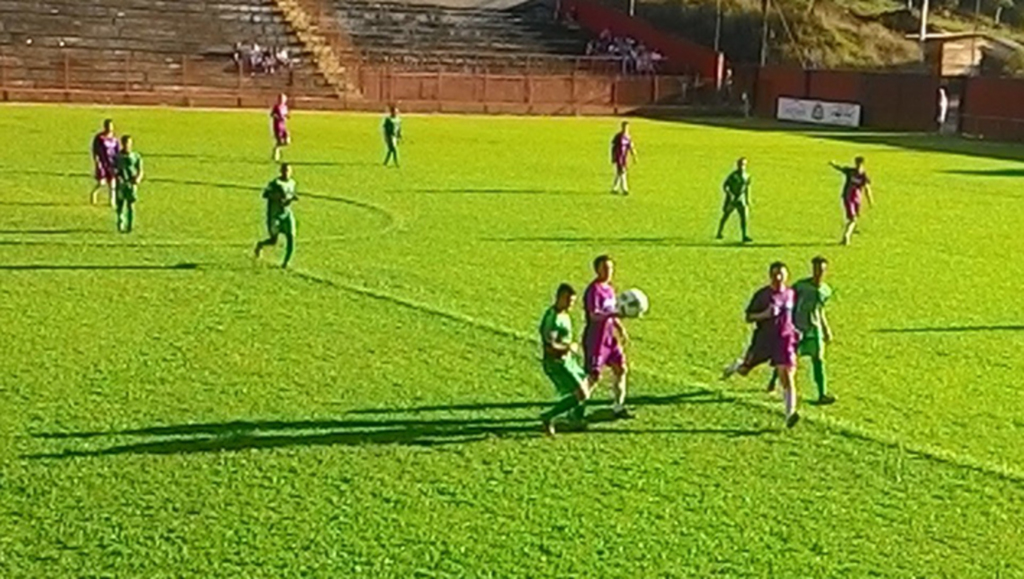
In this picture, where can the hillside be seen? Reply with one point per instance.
(821, 33)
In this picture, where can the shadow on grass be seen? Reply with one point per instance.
(77, 267)
(498, 191)
(49, 231)
(38, 204)
(988, 172)
(243, 435)
(951, 329)
(929, 142)
(667, 241)
(213, 184)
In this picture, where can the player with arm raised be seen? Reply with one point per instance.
(559, 360)
(856, 186)
(737, 198)
(280, 194)
(604, 334)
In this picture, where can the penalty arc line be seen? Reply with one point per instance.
(837, 425)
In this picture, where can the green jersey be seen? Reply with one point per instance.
(392, 128)
(810, 303)
(557, 324)
(737, 186)
(128, 167)
(279, 195)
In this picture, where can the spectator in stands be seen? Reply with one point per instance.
(255, 58)
(634, 57)
(282, 57)
(236, 55)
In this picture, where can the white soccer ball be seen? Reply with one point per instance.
(632, 303)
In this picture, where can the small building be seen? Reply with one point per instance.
(966, 53)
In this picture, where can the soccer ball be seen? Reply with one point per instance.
(632, 303)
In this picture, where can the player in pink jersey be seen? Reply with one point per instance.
(604, 334)
(857, 183)
(622, 151)
(279, 121)
(775, 337)
(105, 148)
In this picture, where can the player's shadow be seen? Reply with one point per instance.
(667, 241)
(37, 204)
(49, 231)
(195, 183)
(245, 435)
(503, 191)
(1007, 172)
(952, 329)
(331, 164)
(699, 396)
(80, 267)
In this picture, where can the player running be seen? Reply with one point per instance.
(559, 360)
(105, 148)
(812, 293)
(392, 135)
(622, 151)
(280, 194)
(775, 338)
(737, 198)
(603, 333)
(279, 120)
(857, 182)
(129, 174)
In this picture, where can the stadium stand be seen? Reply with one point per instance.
(457, 34)
(144, 45)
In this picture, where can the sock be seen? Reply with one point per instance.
(619, 393)
(789, 400)
(577, 413)
(743, 221)
(774, 379)
(563, 405)
(131, 216)
(289, 248)
(818, 366)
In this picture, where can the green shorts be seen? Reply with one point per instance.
(812, 346)
(566, 374)
(282, 224)
(127, 193)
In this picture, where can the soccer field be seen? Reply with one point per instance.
(171, 407)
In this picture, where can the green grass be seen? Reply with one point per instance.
(372, 412)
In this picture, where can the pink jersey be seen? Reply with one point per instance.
(105, 148)
(622, 145)
(600, 347)
(279, 113)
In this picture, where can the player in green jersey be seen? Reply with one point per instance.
(280, 194)
(737, 198)
(559, 360)
(392, 135)
(128, 167)
(812, 294)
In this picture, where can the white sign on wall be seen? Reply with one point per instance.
(818, 112)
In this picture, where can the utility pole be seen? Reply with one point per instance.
(718, 24)
(924, 20)
(764, 32)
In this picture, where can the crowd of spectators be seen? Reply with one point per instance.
(254, 59)
(635, 57)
